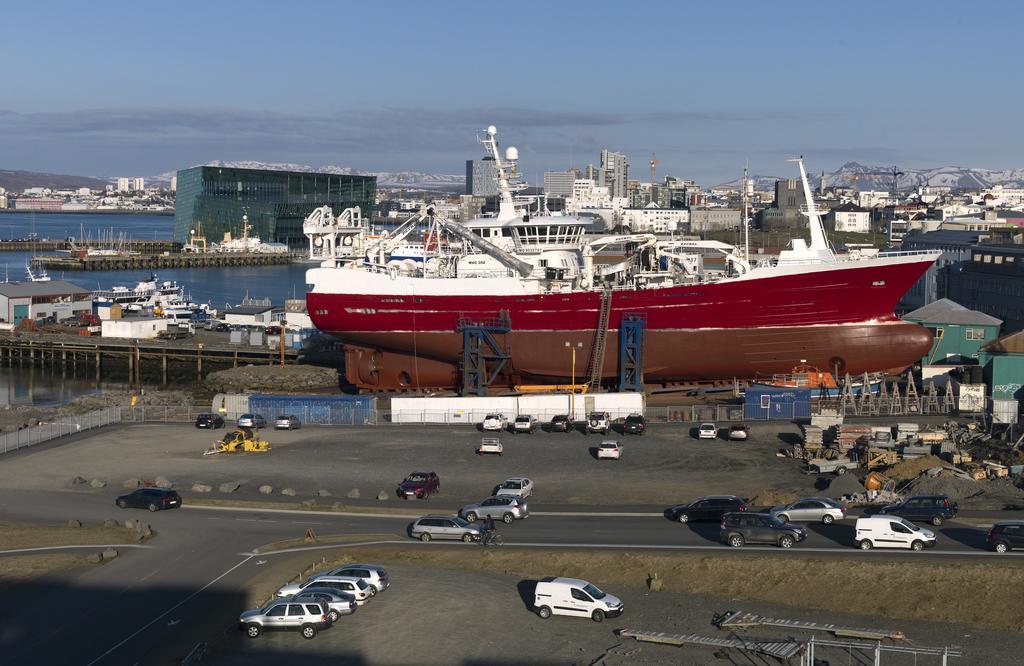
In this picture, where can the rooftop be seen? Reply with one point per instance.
(51, 288)
(945, 311)
(251, 309)
(1008, 344)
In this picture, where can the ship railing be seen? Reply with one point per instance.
(908, 253)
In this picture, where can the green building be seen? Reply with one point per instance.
(1003, 360)
(959, 333)
(213, 200)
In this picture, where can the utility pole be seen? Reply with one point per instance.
(744, 186)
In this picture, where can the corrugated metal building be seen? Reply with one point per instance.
(773, 403)
(321, 410)
(38, 300)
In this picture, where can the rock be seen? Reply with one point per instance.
(110, 522)
(163, 482)
(109, 554)
(94, 558)
(266, 490)
(323, 493)
(382, 495)
(654, 583)
(353, 494)
(96, 483)
(290, 492)
(130, 524)
(132, 484)
(78, 481)
(201, 488)
(308, 504)
(74, 523)
(229, 487)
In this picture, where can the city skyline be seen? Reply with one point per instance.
(705, 91)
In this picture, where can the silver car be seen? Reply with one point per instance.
(252, 421)
(810, 509)
(444, 527)
(338, 603)
(308, 617)
(355, 587)
(287, 422)
(376, 577)
(504, 508)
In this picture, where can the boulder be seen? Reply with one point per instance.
(323, 493)
(96, 483)
(79, 481)
(382, 495)
(74, 523)
(308, 504)
(94, 558)
(110, 522)
(163, 482)
(290, 492)
(132, 484)
(109, 554)
(353, 494)
(229, 487)
(201, 488)
(266, 489)
(130, 524)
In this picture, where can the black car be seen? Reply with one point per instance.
(211, 421)
(561, 423)
(740, 528)
(153, 499)
(920, 508)
(712, 507)
(634, 425)
(1006, 535)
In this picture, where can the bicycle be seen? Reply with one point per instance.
(492, 538)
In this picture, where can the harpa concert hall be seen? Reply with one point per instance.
(212, 200)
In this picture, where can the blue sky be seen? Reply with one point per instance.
(143, 88)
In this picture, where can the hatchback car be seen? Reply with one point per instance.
(375, 576)
(307, 617)
(609, 450)
(153, 499)
(504, 508)
(355, 587)
(634, 424)
(517, 486)
(810, 509)
(444, 527)
(707, 431)
(524, 423)
(738, 432)
(738, 529)
(337, 603)
(211, 421)
(561, 423)
(934, 509)
(712, 507)
(287, 422)
(1006, 535)
(252, 421)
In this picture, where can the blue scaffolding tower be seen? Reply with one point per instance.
(631, 353)
(483, 359)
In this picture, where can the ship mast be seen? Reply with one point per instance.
(506, 169)
(819, 243)
(746, 214)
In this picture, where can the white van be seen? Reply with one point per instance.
(572, 596)
(891, 532)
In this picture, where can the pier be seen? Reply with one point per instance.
(141, 246)
(135, 262)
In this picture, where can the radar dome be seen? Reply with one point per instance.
(491, 129)
(511, 153)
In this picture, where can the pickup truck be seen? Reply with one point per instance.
(838, 466)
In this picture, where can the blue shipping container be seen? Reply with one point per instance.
(317, 409)
(773, 403)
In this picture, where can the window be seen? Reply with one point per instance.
(313, 609)
(277, 611)
(580, 595)
(974, 333)
(899, 528)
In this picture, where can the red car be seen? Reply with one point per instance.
(419, 485)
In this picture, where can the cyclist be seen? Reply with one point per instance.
(488, 531)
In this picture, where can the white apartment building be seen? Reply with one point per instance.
(1006, 196)
(123, 184)
(871, 199)
(653, 219)
(559, 183)
(138, 184)
(851, 218)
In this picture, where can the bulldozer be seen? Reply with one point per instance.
(240, 440)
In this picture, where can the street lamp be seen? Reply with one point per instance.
(572, 386)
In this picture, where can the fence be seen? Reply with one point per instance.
(69, 425)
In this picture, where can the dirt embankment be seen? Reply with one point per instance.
(273, 379)
(17, 418)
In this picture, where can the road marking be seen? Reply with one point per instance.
(149, 575)
(255, 520)
(169, 611)
(307, 522)
(89, 545)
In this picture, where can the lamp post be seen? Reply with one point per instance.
(572, 386)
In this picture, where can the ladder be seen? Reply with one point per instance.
(743, 620)
(600, 338)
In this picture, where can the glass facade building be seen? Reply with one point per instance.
(214, 199)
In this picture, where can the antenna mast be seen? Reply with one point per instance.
(654, 168)
(746, 185)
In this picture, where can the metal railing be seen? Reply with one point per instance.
(67, 425)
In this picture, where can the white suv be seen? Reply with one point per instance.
(375, 576)
(495, 422)
(524, 423)
(599, 422)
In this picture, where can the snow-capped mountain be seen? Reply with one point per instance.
(880, 178)
(384, 178)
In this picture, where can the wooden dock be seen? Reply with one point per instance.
(142, 246)
(135, 262)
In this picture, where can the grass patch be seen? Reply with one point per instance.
(16, 569)
(23, 535)
(325, 540)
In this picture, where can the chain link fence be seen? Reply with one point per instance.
(67, 425)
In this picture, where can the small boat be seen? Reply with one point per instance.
(823, 384)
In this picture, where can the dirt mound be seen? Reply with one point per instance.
(911, 469)
(994, 494)
(772, 497)
(273, 378)
(847, 484)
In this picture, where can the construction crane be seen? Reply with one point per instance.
(654, 168)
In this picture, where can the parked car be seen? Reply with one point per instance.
(517, 486)
(375, 576)
(287, 422)
(505, 508)
(419, 485)
(572, 596)
(609, 449)
(707, 431)
(1006, 535)
(635, 424)
(490, 445)
(738, 529)
(712, 507)
(252, 421)
(561, 423)
(211, 421)
(495, 422)
(524, 423)
(810, 509)
(307, 617)
(357, 588)
(738, 431)
(882, 531)
(153, 499)
(221, 327)
(934, 509)
(599, 422)
(444, 527)
(337, 604)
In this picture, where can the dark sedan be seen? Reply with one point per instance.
(153, 499)
(712, 507)
(561, 423)
(211, 421)
(934, 509)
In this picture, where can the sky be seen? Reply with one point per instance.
(120, 88)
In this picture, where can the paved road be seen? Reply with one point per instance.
(202, 556)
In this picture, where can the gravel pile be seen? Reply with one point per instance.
(272, 378)
(992, 494)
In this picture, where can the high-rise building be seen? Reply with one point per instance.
(138, 184)
(614, 173)
(481, 178)
(559, 183)
(123, 184)
(276, 202)
(174, 183)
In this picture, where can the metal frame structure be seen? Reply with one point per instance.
(631, 352)
(483, 359)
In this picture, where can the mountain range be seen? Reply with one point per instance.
(16, 181)
(880, 178)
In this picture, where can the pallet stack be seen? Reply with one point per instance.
(850, 436)
(813, 441)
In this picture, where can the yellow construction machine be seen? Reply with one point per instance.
(240, 440)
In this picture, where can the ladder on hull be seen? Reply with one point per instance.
(600, 338)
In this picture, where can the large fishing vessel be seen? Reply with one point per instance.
(554, 312)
